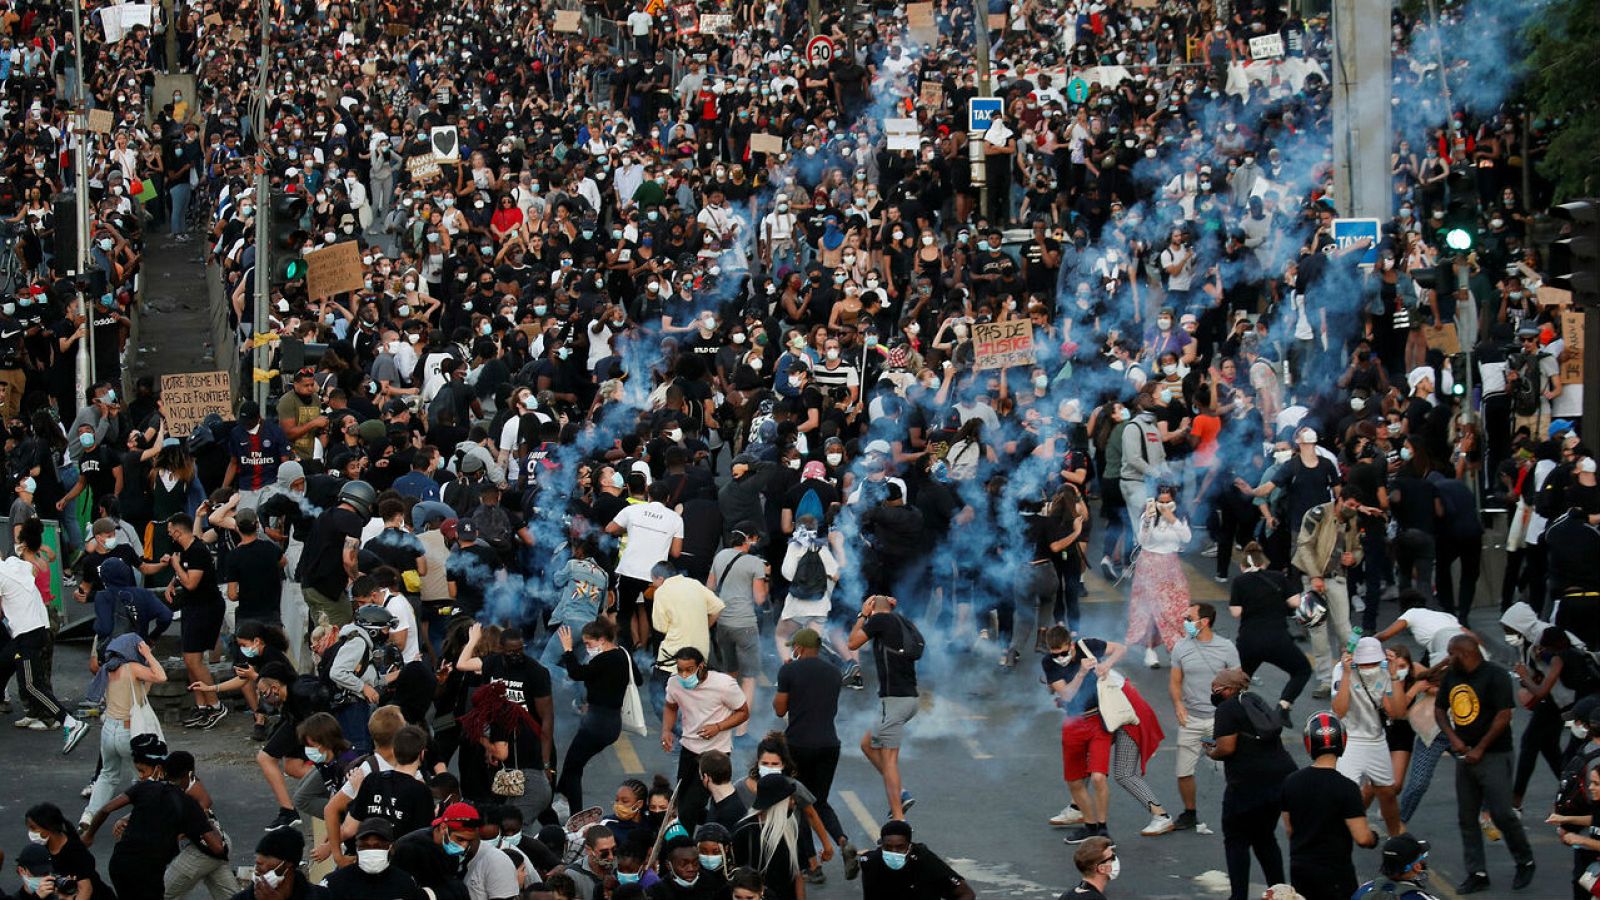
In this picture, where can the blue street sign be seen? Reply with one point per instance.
(981, 112)
(1349, 231)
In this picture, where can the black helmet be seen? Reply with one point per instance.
(1324, 733)
(375, 618)
(360, 495)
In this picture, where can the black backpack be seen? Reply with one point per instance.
(325, 665)
(810, 581)
(1572, 796)
(1265, 724)
(912, 643)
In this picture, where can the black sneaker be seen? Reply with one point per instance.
(1474, 883)
(1081, 833)
(1185, 821)
(212, 717)
(1524, 877)
(195, 718)
(258, 733)
(287, 818)
(1286, 716)
(852, 860)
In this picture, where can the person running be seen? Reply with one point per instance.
(807, 696)
(710, 706)
(1261, 599)
(606, 674)
(896, 647)
(1160, 591)
(1246, 737)
(26, 636)
(1365, 698)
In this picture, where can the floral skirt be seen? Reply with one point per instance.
(1160, 599)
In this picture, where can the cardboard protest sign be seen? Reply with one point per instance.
(334, 270)
(903, 134)
(1442, 338)
(716, 23)
(1553, 296)
(569, 20)
(101, 120)
(188, 397)
(765, 143)
(1572, 351)
(932, 95)
(921, 24)
(997, 345)
(423, 168)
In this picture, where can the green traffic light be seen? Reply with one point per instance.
(294, 269)
(1458, 239)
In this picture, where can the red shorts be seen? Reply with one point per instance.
(1085, 747)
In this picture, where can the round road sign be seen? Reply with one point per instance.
(819, 50)
(1077, 90)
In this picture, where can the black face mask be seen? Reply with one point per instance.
(1217, 698)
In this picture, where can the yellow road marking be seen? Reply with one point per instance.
(627, 756)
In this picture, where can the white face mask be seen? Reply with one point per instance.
(271, 879)
(1282, 456)
(373, 861)
(764, 771)
(835, 458)
(1116, 868)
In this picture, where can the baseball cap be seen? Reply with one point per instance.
(471, 464)
(1401, 852)
(806, 637)
(36, 859)
(377, 826)
(249, 411)
(107, 525)
(466, 531)
(879, 446)
(458, 813)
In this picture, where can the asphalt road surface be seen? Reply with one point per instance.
(982, 758)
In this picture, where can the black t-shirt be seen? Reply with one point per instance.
(1087, 699)
(1257, 760)
(1473, 699)
(75, 861)
(1318, 802)
(897, 674)
(88, 565)
(526, 681)
(1413, 507)
(196, 558)
(162, 813)
(812, 684)
(470, 569)
(98, 467)
(397, 548)
(281, 505)
(254, 568)
(350, 883)
(1261, 598)
(322, 567)
(1084, 891)
(924, 876)
(396, 796)
(1305, 488)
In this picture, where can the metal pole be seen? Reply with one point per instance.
(80, 167)
(814, 16)
(263, 290)
(975, 148)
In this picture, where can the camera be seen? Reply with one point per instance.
(66, 885)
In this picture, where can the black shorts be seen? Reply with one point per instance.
(284, 742)
(201, 625)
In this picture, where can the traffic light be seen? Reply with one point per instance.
(1458, 374)
(65, 244)
(1575, 256)
(285, 239)
(1459, 233)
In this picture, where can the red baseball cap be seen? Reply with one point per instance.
(458, 814)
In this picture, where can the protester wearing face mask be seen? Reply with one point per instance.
(371, 876)
(897, 867)
(487, 871)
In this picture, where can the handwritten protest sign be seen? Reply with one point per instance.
(1442, 338)
(188, 397)
(932, 95)
(1572, 350)
(761, 142)
(569, 20)
(423, 168)
(334, 270)
(716, 23)
(997, 345)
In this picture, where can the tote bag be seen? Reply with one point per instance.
(632, 707)
(142, 718)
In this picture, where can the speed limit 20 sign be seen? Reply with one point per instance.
(819, 50)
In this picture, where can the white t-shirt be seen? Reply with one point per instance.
(650, 528)
(1432, 629)
(407, 622)
(639, 23)
(490, 873)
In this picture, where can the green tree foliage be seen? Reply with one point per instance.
(1564, 43)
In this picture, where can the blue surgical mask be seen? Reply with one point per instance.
(249, 651)
(689, 682)
(984, 246)
(451, 848)
(685, 884)
(618, 481)
(895, 861)
(711, 861)
(628, 877)
(87, 440)
(1192, 629)
(1405, 453)
(315, 755)
(32, 884)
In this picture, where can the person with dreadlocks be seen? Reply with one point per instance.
(503, 733)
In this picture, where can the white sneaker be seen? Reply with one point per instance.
(1069, 815)
(1151, 659)
(1210, 552)
(25, 722)
(1158, 825)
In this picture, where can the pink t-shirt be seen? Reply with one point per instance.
(714, 699)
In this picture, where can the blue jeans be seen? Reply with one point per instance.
(353, 722)
(116, 765)
(179, 195)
